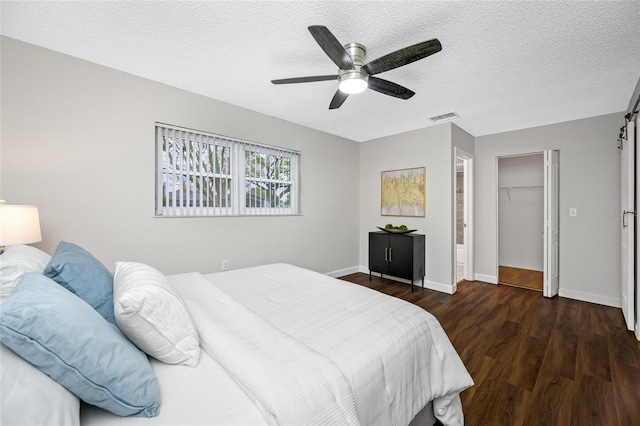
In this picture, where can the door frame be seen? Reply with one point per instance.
(468, 219)
(497, 205)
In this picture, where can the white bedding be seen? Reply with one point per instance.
(394, 355)
(284, 345)
(204, 395)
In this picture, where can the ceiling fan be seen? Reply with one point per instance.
(354, 75)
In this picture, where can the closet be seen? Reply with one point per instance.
(521, 220)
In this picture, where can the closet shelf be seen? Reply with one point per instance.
(511, 188)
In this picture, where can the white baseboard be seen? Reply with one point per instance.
(451, 289)
(342, 272)
(431, 285)
(590, 297)
(486, 278)
(444, 288)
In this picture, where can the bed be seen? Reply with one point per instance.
(274, 344)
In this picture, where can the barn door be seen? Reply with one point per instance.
(627, 223)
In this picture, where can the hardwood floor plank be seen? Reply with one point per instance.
(593, 402)
(551, 402)
(622, 350)
(503, 340)
(541, 320)
(527, 360)
(626, 394)
(479, 367)
(534, 361)
(560, 357)
(593, 356)
(568, 316)
(625, 376)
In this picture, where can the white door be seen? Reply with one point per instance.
(551, 232)
(468, 208)
(635, 287)
(637, 197)
(627, 239)
(468, 220)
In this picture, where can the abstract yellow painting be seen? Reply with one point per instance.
(404, 192)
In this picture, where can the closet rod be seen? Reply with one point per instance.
(522, 187)
(509, 188)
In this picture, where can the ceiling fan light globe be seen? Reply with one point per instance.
(353, 86)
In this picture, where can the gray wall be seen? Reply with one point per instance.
(589, 181)
(430, 148)
(78, 141)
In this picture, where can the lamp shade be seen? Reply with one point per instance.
(19, 225)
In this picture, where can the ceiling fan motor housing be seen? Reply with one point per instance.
(355, 80)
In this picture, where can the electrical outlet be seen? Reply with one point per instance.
(225, 265)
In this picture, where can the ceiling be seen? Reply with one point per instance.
(503, 66)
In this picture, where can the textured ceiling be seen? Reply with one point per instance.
(504, 65)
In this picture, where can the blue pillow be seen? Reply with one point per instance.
(65, 338)
(78, 271)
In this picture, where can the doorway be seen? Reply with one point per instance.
(520, 224)
(463, 220)
(528, 221)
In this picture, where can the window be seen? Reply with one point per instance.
(200, 174)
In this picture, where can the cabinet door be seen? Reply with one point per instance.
(401, 256)
(378, 244)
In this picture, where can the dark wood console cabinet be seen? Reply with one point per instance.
(398, 255)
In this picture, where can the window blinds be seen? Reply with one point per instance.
(201, 174)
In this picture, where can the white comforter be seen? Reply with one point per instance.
(311, 349)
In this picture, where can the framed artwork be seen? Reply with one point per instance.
(404, 192)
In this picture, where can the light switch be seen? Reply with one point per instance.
(573, 212)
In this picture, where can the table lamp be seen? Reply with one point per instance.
(18, 225)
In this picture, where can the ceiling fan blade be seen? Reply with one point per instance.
(305, 79)
(332, 47)
(338, 99)
(403, 57)
(388, 88)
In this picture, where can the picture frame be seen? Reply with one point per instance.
(404, 192)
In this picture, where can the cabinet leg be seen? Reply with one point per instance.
(423, 283)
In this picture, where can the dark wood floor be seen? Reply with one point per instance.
(535, 361)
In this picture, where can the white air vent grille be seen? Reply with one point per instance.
(445, 117)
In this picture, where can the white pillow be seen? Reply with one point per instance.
(17, 260)
(151, 313)
(30, 397)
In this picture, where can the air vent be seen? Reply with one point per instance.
(444, 117)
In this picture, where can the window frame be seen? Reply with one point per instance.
(235, 177)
